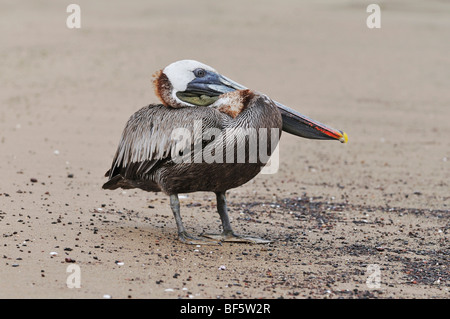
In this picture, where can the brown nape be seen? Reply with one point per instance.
(233, 103)
(163, 89)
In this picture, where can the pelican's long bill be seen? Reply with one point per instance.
(301, 125)
(212, 84)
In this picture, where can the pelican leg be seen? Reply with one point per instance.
(227, 234)
(183, 235)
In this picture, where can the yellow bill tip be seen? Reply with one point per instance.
(344, 138)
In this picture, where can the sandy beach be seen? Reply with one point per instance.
(366, 219)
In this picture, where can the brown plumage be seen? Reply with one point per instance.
(144, 156)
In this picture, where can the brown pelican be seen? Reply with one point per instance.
(194, 96)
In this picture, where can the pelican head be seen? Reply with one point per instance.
(190, 83)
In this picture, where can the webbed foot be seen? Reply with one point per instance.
(189, 239)
(231, 237)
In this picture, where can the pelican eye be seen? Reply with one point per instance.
(199, 73)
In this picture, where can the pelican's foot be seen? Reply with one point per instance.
(231, 237)
(189, 239)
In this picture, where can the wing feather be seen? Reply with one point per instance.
(147, 139)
